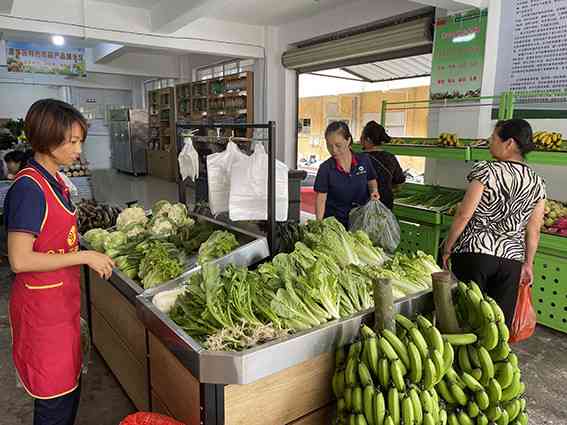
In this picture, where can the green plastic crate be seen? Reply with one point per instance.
(549, 292)
(419, 237)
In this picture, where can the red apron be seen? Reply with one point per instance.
(45, 307)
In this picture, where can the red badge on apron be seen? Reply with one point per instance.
(45, 307)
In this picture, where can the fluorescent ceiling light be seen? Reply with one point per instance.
(464, 38)
(58, 40)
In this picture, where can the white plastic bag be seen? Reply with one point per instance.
(188, 160)
(249, 188)
(219, 166)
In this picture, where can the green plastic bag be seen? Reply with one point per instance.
(379, 223)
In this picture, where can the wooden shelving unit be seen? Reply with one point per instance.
(228, 99)
(162, 158)
(183, 101)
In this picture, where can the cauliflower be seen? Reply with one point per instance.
(161, 208)
(96, 238)
(178, 215)
(131, 215)
(162, 227)
(134, 230)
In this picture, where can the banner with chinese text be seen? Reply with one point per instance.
(45, 59)
(458, 55)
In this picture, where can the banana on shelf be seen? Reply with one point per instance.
(549, 141)
(449, 140)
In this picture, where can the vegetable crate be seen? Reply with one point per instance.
(420, 237)
(549, 292)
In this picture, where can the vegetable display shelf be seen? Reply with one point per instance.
(425, 204)
(117, 332)
(427, 147)
(289, 376)
(420, 237)
(535, 157)
(549, 292)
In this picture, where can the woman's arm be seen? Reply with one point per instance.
(532, 241)
(373, 189)
(464, 214)
(23, 258)
(320, 202)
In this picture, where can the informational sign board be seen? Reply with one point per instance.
(532, 52)
(458, 55)
(45, 59)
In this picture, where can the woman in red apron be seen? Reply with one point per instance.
(44, 254)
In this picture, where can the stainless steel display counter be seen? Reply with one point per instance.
(252, 249)
(248, 366)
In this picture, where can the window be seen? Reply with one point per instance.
(305, 126)
(218, 70)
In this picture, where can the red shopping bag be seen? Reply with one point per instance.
(524, 323)
(145, 418)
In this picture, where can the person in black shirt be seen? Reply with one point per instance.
(388, 170)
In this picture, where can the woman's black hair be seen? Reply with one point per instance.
(22, 157)
(520, 131)
(341, 128)
(375, 134)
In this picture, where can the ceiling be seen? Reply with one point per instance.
(142, 4)
(394, 69)
(254, 12)
(274, 12)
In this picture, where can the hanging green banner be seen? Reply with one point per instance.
(458, 55)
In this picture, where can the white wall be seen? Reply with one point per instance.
(478, 123)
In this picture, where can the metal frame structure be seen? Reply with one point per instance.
(270, 127)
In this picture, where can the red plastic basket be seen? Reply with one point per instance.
(145, 418)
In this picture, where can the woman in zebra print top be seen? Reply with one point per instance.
(495, 234)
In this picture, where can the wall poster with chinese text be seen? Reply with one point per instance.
(458, 55)
(45, 59)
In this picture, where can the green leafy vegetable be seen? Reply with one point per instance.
(216, 246)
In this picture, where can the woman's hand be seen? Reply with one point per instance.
(446, 257)
(527, 276)
(100, 263)
(375, 196)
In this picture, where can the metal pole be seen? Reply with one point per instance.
(383, 113)
(271, 187)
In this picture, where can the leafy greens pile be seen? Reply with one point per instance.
(153, 251)
(328, 276)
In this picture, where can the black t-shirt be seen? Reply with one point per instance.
(389, 173)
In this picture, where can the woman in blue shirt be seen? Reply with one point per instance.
(344, 181)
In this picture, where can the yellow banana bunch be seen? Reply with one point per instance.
(549, 141)
(449, 140)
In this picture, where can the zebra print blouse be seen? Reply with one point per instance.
(498, 226)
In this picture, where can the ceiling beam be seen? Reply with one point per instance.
(107, 52)
(356, 74)
(169, 16)
(6, 6)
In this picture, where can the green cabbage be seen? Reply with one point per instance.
(115, 240)
(96, 238)
(218, 245)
